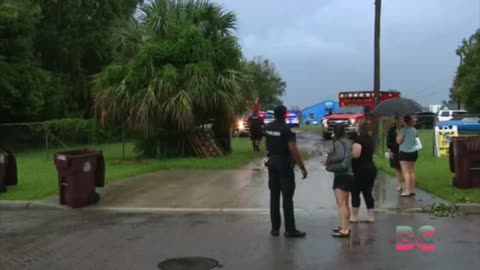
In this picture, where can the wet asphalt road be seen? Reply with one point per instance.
(104, 239)
(94, 240)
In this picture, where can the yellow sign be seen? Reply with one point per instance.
(443, 136)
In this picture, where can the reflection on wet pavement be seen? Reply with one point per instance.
(57, 239)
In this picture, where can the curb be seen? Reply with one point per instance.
(28, 205)
(465, 208)
(469, 208)
(411, 210)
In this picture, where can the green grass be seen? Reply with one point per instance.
(314, 129)
(433, 174)
(37, 176)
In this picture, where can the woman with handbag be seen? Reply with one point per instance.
(408, 154)
(339, 161)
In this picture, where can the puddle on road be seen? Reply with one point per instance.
(189, 263)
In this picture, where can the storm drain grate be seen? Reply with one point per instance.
(189, 263)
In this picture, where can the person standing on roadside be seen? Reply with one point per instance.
(283, 155)
(256, 125)
(339, 161)
(364, 172)
(393, 146)
(408, 154)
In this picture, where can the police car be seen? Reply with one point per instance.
(268, 117)
(240, 128)
(292, 119)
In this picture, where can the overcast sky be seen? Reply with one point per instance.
(321, 47)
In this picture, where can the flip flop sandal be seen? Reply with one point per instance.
(353, 221)
(405, 195)
(337, 229)
(341, 235)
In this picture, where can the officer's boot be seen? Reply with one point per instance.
(295, 234)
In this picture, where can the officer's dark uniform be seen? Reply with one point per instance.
(280, 173)
(255, 123)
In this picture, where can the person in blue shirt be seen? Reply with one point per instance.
(408, 154)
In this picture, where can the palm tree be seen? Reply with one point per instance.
(177, 66)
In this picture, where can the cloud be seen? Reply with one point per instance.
(324, 46)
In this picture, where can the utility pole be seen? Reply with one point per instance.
(376, 83)
(457, 93)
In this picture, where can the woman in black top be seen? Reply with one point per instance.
(394, 150)
(364, 171)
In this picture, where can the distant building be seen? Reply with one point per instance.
(318, 111)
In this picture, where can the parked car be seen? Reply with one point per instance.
(292, 120)
(424, 120)
(241, 128)
(446, 115)
(268, 117)
(464, 124)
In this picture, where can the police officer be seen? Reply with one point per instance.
(283, 155)
(256, 124)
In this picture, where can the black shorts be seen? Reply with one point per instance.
(408, 156)
(343, 182)
(395, 161)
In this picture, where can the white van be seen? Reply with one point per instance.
(447, 115)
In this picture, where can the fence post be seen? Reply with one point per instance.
(123, 142)
(46, 143)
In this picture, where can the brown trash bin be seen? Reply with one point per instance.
(100, 172)
(451, 157)
(466, 152)
(77, 175)
(8, 169)
(3, 170)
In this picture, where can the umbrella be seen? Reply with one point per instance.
(397, 106)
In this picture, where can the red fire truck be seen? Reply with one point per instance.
(354, 107)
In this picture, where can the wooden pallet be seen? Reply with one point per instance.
(204, 145)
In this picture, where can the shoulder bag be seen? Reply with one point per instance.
(342, 166)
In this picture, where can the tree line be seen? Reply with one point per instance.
(161, 63)
(466, 84)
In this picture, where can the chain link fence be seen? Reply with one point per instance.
(43, 139)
